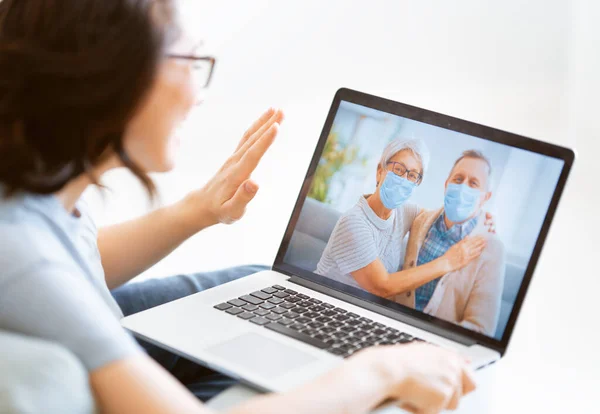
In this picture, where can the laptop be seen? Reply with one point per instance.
(277, 329)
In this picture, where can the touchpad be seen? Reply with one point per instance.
(260, 354)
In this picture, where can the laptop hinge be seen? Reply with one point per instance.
(461, 339)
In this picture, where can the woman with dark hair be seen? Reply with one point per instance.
(91, 85)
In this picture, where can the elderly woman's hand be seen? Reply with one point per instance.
(225, 197)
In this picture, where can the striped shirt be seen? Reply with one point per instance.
(439, 239)
(360, 237)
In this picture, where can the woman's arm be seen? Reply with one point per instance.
(421, 377)
(129, 248)
(375, 278)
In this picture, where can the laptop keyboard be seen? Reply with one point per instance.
(312, 321)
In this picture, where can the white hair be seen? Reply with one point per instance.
(415, 145)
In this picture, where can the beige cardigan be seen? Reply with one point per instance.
(471, 296)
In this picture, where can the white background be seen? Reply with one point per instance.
(531, 67)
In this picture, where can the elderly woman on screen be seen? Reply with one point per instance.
(365, 247)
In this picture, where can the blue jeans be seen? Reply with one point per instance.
(136, 297)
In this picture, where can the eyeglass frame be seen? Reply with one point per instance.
(194, 58)
(406, 172)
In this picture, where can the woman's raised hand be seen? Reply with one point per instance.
(227, 194)
(463, 252)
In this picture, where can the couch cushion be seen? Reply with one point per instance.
(41, 377)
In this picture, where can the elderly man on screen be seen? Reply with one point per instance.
(469, 296)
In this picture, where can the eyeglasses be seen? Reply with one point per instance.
(400, 170)
(202, 68)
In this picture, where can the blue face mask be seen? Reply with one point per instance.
(460, 202)
(395, 190)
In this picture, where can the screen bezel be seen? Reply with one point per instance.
(435, 325)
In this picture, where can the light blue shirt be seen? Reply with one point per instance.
(52, 283)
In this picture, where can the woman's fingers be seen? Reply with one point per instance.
(255, 126)
(253, 155)
(276, 118)
(468, 380)
(453, 403)
(235, 207)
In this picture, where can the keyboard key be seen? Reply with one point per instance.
(250, 307)
(379, 325)
(278, 310)
(335, 324)
(321, 337)
(302, 319)
(317, 308)
(281, 295)
(297, 326)
(296, 335)
(285, 321)
(234, 311)
(353, 315)
(269, 290)
(276, 301)
(337, 351)
(290, 291)
(223, 306)
(347, 328)
(328, 306)
(315, 325)
(260, 321)
(293, 299)
(251, 299)
(261, 312)
(311, 315)
(317, 301)
(302, 296)
(267, 305)
(328, 329)
(287, 305)
(353, 322)
(261, 295)
(273, 317)
(291, 315)
(246, 315)
(341, 318)
(305, 304)
(330, 313)
(278, 287)
(236, 302)
(323, 319)
(378, 332)
(365, 320)
(340, 310)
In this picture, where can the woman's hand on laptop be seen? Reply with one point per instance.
(225, 197)
(423, 378)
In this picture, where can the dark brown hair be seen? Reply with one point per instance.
(72, 74)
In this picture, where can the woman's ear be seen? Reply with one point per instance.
(379, 174)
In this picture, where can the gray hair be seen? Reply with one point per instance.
(415, 145)
(478, 155)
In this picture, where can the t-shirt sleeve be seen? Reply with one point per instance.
(53, 302)
(353, 244)
(410, 213)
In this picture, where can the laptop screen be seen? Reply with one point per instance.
(436, 220)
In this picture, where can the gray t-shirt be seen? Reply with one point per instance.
(52, 282)
(360, 237)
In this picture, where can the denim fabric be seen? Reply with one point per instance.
(136, 297)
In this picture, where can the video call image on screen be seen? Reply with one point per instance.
(436, 220)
